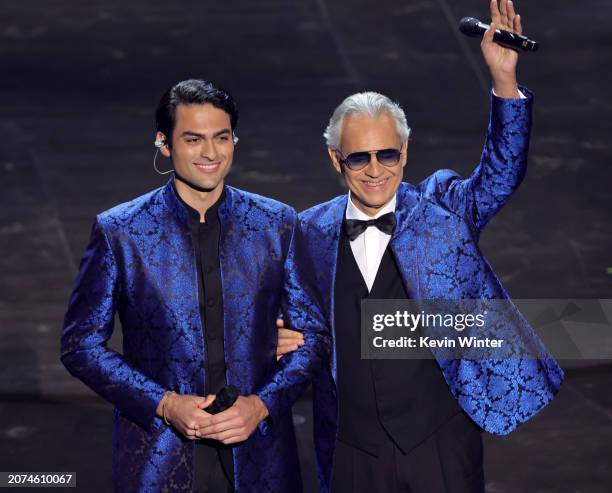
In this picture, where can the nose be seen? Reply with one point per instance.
(208, 149)
(374, 168)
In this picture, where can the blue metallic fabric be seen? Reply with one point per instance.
(435, 245)
(140, 263)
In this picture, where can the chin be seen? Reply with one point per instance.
(372, 203)
(375, 200)
(211, 186)
(206, 182)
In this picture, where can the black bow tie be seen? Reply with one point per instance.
(354, 227)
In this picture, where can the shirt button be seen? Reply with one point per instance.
(208, 269)
(204, 236)
(210, 302)
(211, 335)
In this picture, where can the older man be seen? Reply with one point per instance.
(415, 425)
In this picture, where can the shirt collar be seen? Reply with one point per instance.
(194, 215)
(352, 212)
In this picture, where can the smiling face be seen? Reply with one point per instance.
(373, 186)
(202, 148)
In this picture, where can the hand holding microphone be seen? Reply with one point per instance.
(500, 42)
(224, 399)
(474, 28)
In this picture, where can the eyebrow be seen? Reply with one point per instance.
(196, 134)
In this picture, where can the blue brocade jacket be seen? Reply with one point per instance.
(435, 244)
(140, 264)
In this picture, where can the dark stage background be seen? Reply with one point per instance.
(79, 84)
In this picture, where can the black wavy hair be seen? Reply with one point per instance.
(192, 91)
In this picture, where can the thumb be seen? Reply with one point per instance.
(206, 401)
(488, 35)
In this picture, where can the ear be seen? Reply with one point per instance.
(334, 159)
(165, 149)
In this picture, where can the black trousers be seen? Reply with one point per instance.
(449, 461)
(211, 476)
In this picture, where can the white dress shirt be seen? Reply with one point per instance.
(521, 95)
(368, 248)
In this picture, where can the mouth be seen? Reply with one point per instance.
(374, 185)
(208, 167)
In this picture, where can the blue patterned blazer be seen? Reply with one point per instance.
(140, 263)
(435, 244)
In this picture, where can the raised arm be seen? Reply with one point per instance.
(504, 158)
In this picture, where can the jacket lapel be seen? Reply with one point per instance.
(403, 242)
(326, 235)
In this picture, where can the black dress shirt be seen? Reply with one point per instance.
(206, 236)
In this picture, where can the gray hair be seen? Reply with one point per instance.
(372, 104)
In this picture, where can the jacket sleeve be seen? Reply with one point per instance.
(502, 166)
(88, 325)
(302, 311)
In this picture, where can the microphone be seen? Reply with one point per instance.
(224, 400)
(474, 28)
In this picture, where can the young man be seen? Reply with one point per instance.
(415, 425)
(197, 272)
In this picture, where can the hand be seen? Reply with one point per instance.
(185, 412)
(288, 340)
(500, 60)
(236, 423)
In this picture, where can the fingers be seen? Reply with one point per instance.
(189, 430)
(219, 419)
(287, 334)
(191, 434)
(488, 35)
(229, 422)
(229, 436)
(503, 10)
(280, 323)
(283, 349)
(288, 340)
(237, 439)
(518, 28)
(206, 401)
(187, 415)
(203, 419)
(216, 430)
(194, 422)
(233, 436)
(511, 16)
(495, 15)
(228, 432)
(505, 17)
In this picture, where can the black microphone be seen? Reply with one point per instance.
(224, 399)
(474, 28)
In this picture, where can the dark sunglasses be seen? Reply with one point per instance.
(359, 160)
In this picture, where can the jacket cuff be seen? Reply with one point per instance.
(511, 114)
(150, 420)
(269, 401)
(525, 97)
